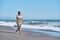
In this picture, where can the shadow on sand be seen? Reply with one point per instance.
(7, 32)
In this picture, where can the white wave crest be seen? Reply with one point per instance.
(46, 27)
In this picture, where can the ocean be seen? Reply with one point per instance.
(48, 27)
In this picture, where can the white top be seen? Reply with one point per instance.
(19, 17)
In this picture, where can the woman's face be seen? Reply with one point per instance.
(18, 13)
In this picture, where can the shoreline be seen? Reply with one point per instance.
(8, 33)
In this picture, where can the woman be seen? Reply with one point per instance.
(19, 20)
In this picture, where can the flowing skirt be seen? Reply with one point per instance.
(19, 22)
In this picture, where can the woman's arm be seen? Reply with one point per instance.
(22, 18)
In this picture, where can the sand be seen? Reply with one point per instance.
(8, 33)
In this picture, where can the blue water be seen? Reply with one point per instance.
(48, 27)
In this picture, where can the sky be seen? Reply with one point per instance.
(30, 9)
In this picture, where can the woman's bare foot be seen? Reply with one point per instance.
(18, 31)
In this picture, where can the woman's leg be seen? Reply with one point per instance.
(18, 28)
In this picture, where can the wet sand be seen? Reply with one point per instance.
(8, 33)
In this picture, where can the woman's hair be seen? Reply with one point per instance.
(19, 13)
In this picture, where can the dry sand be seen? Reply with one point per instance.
(7, 33)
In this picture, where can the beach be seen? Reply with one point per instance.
(38, 19)
(8, 33)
